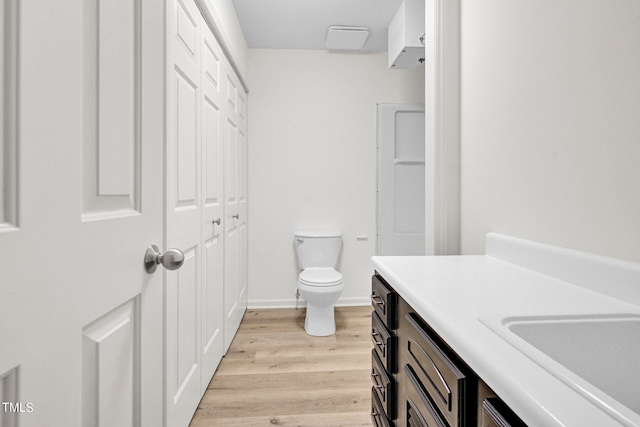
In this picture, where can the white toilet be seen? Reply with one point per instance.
(319, 282)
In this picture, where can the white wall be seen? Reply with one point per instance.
(312, 160)
(551, 123)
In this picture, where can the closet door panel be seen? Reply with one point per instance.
(184, 204)
(212, 100)
(233, 306)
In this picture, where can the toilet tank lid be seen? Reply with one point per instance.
(318, 233)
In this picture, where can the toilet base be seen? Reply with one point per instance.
(320, 320)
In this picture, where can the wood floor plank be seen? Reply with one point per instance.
(333, 350)
(290, 345)
(294, 380)
(347, 419)
(327, 379)
(287, 401)
(294, 364)
(276, 374)
(273, 315)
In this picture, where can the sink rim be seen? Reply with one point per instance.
(500, 325)
(569, 318)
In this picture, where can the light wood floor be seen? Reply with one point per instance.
(275, 374)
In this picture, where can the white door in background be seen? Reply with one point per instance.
(212, 131)
(194, 209)
(401, 179)
(81, 196)
(235, 252)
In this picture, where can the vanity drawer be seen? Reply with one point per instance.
(420, 411)
(378, 418)
(383, 343)
(383, 386)
(496, 414)
(441, 374)
(385, 301)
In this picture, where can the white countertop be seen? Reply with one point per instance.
(452, 294)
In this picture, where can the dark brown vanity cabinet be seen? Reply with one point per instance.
(496, 414)
(492, 412)
(384, 356)
(436, 384)
(418, 380)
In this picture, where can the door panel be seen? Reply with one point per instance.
(243, 210)
(235, 216)
(9, 118)
(196, 215)
(111, 367)
(212, 311)
(81, 320)
(187, 140)
(183, 213)
(186, 325)
(111, 108)
(401, 179)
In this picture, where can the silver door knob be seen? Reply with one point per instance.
(236, 216)
(216, 221)
(172, 259)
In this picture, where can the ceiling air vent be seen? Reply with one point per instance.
(346, 38)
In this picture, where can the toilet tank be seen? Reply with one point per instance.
(318, 248)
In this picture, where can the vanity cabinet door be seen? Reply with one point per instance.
(420, 411)
(384, 343)
(447, 381)
(383, 385)
(378, 417)
(385, 301)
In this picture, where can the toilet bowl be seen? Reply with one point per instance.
(321, 288)
(320, 284)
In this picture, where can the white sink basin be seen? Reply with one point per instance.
(597, 355)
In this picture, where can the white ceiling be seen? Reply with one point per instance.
(303, 24)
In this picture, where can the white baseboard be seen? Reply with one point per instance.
(276, 303)
(354, 302)
(293, 303)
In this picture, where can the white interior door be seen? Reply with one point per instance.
(183, 213)
(195, 205)
(401, 179)
(235, 249)
(212, 114)
(81, 152)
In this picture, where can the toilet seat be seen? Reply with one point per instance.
(320, 277)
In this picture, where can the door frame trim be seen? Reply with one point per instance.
(442, 127)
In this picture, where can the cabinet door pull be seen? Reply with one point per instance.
(376, 384)
(377, 299)
(381, 389)
(376, 342)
